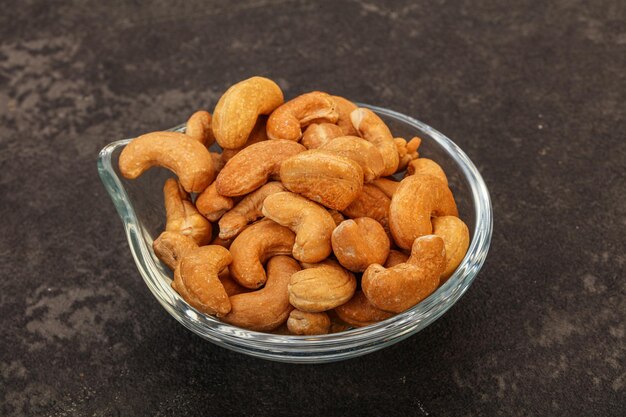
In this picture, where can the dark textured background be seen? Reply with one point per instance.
(533, 91)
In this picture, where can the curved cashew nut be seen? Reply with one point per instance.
(237, 110)
(374, 130)
(371, 202)
(196, 279)
(267, 308)
(360, 151)
(287, 121)
(258, 134)
(344, 108)
(253, 166)
(418, 198)
(247, 210)
(337, 217)
(252, 247)
(186, 157)
(395, 257)
(425, 166)
(311, 223)
(331, 180)
(386, 185)
(318, 134)
(359, 243)
(170, 247)
(182, 216)
(321, 287)
(401, 287)
(303, 323)
(212, 204)
(359, 312)
(199, 128)
(455, 235)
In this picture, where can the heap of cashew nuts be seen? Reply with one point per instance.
(313, 230)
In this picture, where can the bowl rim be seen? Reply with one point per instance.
(321, 348)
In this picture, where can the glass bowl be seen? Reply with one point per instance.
(139, 203)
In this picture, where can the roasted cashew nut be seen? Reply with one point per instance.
(212, 204)
(344, 108)
(199, 128)
(361, 151)
(395, 257)
(374, 130)
(371, 202)
(170, 247)
(358, 243)
(386, 185)
(186, 157)
(318, 134)
(287, 121)
(182, 216)
(321, 287)
(257, 135)
(425, 166)
(303, 323)
(359, 312)
(455, 235)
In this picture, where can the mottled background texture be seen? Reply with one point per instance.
(533, 91)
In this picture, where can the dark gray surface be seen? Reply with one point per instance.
(533, 91)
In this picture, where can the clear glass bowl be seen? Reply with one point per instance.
(140, 205)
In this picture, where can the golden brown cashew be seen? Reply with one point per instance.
(418, 198)
(182, 216)
(371, 202)
(287, 121)
(186, 157)
(267, 308)
(253, 166)
(256, 244)
(237, 110)
(395, 257)
(404, 285)
(359, 243)
(170, 247)
(230, 285)
(317, 135)
(386, 185)
(212, 204)
(337, 217)
(321, 287)
(303, 323)
(218, 162)
(247, 210)
(455, 235)
(344, 108)
(196, 279)
(199, 128)
(331, 180)
(424, 166)
(311, 223)
(258, 134)
(360, 151)
(359, 312)
(373, 129)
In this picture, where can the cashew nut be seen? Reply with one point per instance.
(170, 247)
(418, 198)
(199, 128)
(374, 130)
(196, 279)
(424, 166)
(267, 308)
(371, 202)
(337, 217)
(218, 162)
(287, 121)
(402, 286)
(247, 210)
(253, 166)
(253, 246)
(212, 204)
(317, 135)
(455, 235)
(344, 108)
(258, 134)
(359, 312)
(395, 257)
(311, 223)
(186, 157)
(359, 243)
(361, 151)
(386, 185)
(331, 180)
(237, 110)
(182, 216)
(304, 323)
(321, 287)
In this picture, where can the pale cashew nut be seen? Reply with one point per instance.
(344, 108)
(318, 134)
(170, 247)
(359, 312)
(395, 257)
(425, 166)
(400, 287)
(304, 323)
(255, 245)
(386, 185)
(360, 151)
(360, 242)
(186, 157)
(371, 202)
(247, 210)
(311, 223)
(267, 308)
(321, 287)
(455, 235)
(212, 204)
(182, 216)
(199, 128)
(331, 180)
(287, 121)
(253, 166)
(196, 279)
(374, 130)
(418, 198)
(237, 110)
